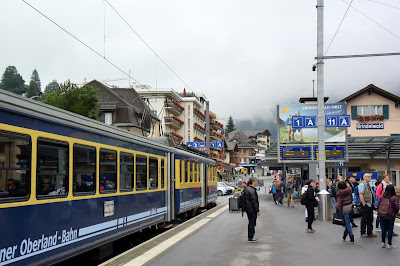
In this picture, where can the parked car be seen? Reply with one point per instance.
(229, 189)
(229, 185)
(221, 190)
(3, 193)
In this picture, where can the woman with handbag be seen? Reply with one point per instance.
(312, 202)
(345, 205)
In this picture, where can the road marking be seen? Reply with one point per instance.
(157, 250)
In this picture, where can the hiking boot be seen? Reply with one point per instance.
(351, 240)
(364, 235)
(383, 245)
(253, 240)
(394, 234)
(354, 225)
(391, 247)
(372, 235)
(344, 237)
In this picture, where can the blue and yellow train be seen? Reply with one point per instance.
(69, 184)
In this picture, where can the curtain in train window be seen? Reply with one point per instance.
(162, 173)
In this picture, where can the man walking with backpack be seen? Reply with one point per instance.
(251, 206)
(367, 199)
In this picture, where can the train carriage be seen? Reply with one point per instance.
(69, 184)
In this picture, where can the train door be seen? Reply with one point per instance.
(171, 187)
(203, 174)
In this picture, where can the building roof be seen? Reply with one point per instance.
(231, 146)
(372, 88)
(249, 133)
(122, 101)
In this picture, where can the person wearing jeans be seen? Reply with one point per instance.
(289, 191)
(387, 221)
(345, 205)
(367, 200)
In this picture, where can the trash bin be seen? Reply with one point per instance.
(324, 206)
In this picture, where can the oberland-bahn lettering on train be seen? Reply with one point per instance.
(28, 245)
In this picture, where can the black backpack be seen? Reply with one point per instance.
(303, 200)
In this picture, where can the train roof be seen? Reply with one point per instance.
(17, 103)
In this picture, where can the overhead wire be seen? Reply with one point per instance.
(395, 35)
(91, 49)
(140, 37)
(380, 3)
(339, 27)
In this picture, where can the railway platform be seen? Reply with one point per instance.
(220, 238)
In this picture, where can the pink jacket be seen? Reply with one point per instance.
(380, 190)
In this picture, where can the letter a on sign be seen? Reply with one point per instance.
(343, 123)
(310, 123)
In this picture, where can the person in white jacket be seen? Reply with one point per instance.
(303, 190)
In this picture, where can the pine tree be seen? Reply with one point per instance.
(230, 126)
(35, 78)
(32, 90)
(12, 81)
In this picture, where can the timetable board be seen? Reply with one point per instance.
(332, 152)
(289, 153)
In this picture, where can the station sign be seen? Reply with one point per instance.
(202, 144)
(311, 121)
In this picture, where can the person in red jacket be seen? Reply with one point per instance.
(387, 225)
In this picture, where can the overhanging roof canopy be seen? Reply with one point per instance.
(361, 148)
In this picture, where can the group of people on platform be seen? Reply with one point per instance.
(348, 196)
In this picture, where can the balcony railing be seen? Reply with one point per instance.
(173, 108)
(217, 125)
(175, 137)
(199, 128)
(172, 122)
(199, 114)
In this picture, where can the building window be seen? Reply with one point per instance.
(108, 118)
(376, 110)
(362, 110)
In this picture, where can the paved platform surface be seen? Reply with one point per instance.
(282, 241)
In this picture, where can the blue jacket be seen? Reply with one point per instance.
(273, 189)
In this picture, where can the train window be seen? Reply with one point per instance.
(186, 172)
(108, 171)
(183, 172)
(141, 172)
(190, 171)
(198, 172)
(162, 173)
(84, 180)
(52, 167)
(153, 169)
(15, 165)
(127, 176)
(195, 173)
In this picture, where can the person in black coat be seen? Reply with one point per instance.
(252, 208)
(312, 201)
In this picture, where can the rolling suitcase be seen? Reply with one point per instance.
(233, 204)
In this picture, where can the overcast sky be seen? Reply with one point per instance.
(245, 56)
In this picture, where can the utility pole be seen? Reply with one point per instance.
(325, 215)
(313, 88)
(208, 127)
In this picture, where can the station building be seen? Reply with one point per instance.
(373, 138)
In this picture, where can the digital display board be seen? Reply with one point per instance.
(289, 153)
(331, 152)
